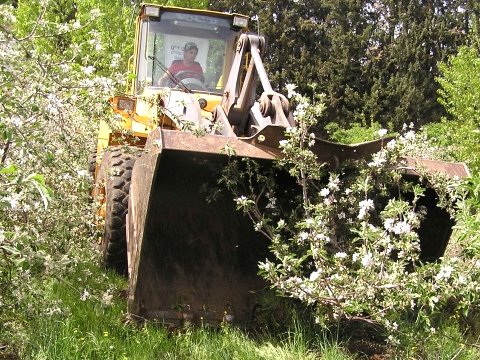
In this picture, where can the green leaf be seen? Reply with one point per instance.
(22, 263)
(10, 249)
(37, 177)
(7, 135)
(45, 192)
(9, 170)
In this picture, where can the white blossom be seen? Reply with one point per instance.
(54, 105)
(444, 273)
(85, 295)
(382, 132)
(64, 67)
(303, 235)
(115, 60)
(291, 90)
(283, 143)
(410, 136)
(322, 238)
(378, 160)
(391, 144)
(367, 259)
(62, 27)
(16, 121)
(258, 226)
(107, 298)
(266, 266)
(272, 202)
(83, 173)
(315, 275)
(300, 110)
(388, 224)
(365, 207)
(88, 70)
(401, 227)
(334, 183)
(95, 13)
(76, 25)
(433, 300)
(13, 200)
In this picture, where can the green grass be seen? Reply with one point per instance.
(71, 328)
(90, 329)
(451, 343)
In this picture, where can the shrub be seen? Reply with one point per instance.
(348, 243)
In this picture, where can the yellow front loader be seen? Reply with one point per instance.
(189, 260)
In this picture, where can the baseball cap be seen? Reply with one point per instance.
(190, 45)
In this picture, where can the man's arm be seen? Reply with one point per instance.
(164, 78)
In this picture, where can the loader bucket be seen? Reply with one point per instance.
(190, 260)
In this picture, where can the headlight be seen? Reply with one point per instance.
(202, 102)
(152, 11)
(240, 21)
(125, 104)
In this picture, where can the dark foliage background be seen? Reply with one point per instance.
(376, 60)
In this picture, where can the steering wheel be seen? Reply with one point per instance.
(191, 79)
(181, 75)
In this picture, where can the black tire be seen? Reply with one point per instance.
(113, 187)
(92, 162)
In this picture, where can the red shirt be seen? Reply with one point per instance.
(178, 65)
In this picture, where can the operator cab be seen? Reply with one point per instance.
(166, 34)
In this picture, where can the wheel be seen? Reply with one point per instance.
(112, 191)
(92, 162)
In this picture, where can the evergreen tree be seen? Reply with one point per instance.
(415, 37)
(376, 60)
